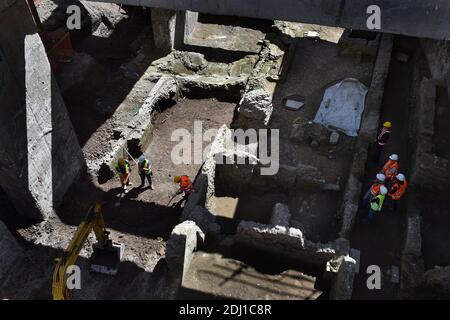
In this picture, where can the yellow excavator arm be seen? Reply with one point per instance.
(92, 222)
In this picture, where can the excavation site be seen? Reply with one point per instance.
(205, 150)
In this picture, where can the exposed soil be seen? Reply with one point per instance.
(212, 276)
(380, 242)
(435, 234)
(441, 139)
(212, 114)
(229, 33)
(248, 207)
(315, 66)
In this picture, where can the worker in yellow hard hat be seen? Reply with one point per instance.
(382, 140)
(123, 168)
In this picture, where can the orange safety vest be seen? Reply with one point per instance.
(390, 169)
(186, 184)
(375, 188)
(401, 188)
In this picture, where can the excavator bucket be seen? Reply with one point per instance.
(107, 260)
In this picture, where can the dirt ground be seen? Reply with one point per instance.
(441, 137)
(142, 221)
(435, 234)
(212, 113)
(229, 33)
(315, 66)
(380, 242)
(212, 276)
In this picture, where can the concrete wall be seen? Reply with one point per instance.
(170, 28)
(438, 58)
(185, 24)
(39, 154)
(430, 177)
(163, 24)
(428, 19)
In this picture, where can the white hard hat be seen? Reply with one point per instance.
(381, 177)
(394, 157)
(401, 177)
(383, 190)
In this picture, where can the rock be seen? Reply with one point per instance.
(228, 241)
(311, 35)
(315, 144)
(204, 219)
(280, 215)
(305, 131)
(412, 274)
(10, 250)
(287, 242)
(395, 274)
(334, 138)
(81, 67)
(255, 108)
(402, 57)
(191, 60)
(342, 283)
(181, 246)
(438, 280)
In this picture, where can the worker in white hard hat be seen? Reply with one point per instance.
(376, 204)
(374, 189)
(382, 140)
(398, 189)
(390, 169)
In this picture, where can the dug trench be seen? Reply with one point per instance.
(142, 219)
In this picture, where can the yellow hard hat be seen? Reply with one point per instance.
(176, 179)
(387, 124)
(121, 161)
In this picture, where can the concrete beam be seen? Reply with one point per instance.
(427, 19)
(39, 152)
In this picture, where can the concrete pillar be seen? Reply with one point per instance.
(170, 28)
(185, 24)
(163, 25)
(39, 153)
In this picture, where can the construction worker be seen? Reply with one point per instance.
(382, 139)
(376, 204)
(145, 171)
(398, 188)
(374, 189)
(185, 185)
(390, 169)
(123, 168)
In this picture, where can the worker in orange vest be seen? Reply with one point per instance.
(398, 188)
(374, 189)
(390, 169)
(382, 139)
(123, 168)
(376, 205)
(185, 185)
